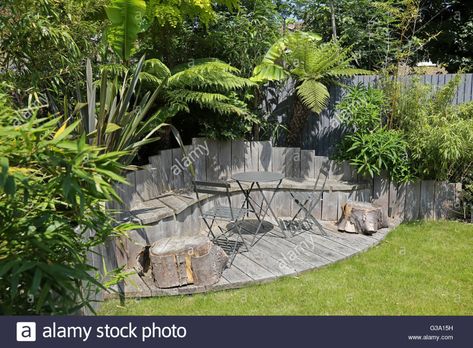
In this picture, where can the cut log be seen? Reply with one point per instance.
(361, 217)
(186, 260)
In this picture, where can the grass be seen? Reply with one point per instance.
(422, 268)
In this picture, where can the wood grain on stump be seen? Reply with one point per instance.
(361, 217)
(186, 260)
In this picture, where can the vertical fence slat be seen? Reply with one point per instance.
(131, 197)
(162, 164)
(201, 150)
(224, 160)
(427, 197)
(381, 193)
(330, 206)
(265, 154)
(412, 205)
(177, 169)
(190, 158)
(278, 162)
(238, 156)
(307, 164)
(468, 88)
(292, 162)
(146, 186)
(251, 156)
(444, 199)
(397, 200)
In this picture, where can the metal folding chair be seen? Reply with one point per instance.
(225, 213)
(306, 202)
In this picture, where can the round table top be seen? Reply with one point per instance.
(258, 176)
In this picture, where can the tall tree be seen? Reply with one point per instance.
(451, 22)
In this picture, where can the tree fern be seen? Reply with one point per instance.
(313, 94)
(208, 74)
(313, 65)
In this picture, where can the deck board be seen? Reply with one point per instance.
(276, 254)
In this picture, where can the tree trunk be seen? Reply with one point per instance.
(297, 123)
(186, 260)
(334, 25)
(362, 217)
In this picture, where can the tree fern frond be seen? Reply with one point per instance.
(229, 109)
(125, 17)
(216, 102)
(150, 78)
(209, 75)
(204, 99)
(203, 65)
(269, 72)
(346, 72)
(276, 51)
(157, 68)
(313, 94)
(117, 70)
(325, 57)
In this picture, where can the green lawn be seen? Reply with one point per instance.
(423, 268)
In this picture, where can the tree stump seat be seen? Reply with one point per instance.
(361, 217)
(180, 261)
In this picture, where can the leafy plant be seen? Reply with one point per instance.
(362, 108)
(209, 83)
(126, 23)
(381, 150)
(122, 119)
(126, 115)
(312, 65)
(370, 146)
(53, 189)
(173, 12)
(439, 133)
(43, 45)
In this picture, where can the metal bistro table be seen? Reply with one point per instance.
(254, 179)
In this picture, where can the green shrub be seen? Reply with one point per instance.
(381, 150)
(361, 109)
(439, 134)
(369, 145)
(53, 189)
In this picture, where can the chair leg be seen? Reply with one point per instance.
(209, 227)
(308, 216)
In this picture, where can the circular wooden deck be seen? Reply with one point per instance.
(274, 255)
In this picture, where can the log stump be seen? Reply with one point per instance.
(361, 217)
(186, 260)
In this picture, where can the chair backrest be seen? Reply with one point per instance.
(318, 190)
(213, 188)
(322, 177)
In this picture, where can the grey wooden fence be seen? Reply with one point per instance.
(323, 132)
(218, 160)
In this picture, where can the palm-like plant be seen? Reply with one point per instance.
(313, 65)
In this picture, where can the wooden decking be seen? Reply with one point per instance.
(275, 255)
